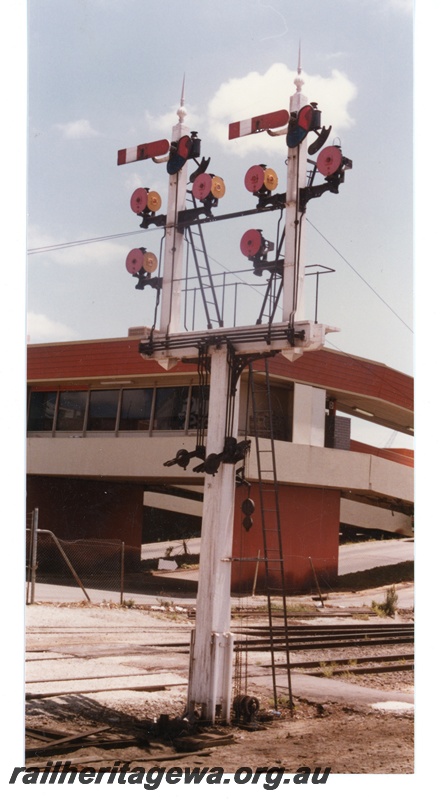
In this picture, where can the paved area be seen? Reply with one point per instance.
(367, 555)
(323, 690)
(352, 557)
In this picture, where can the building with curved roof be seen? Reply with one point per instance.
(103, 422)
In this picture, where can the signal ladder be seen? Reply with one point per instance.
(262, 428)
(206, 285)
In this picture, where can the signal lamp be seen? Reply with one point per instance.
(260, 179)
(144, 201)
(140, 259)
(329, 160)
(208, 188)
(252, 243)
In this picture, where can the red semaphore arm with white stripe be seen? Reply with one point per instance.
(275, 119)
(143, 151)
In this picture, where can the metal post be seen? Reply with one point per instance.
(121, 596)
(67, 561)
(255, 574)
(34, 538)
(316, 582)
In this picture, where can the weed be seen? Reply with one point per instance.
(389, 606)
(283, 701)
(128, 603)
(327, 669)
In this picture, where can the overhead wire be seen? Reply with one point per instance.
(360, 276)
(109, 237)
(75, 243)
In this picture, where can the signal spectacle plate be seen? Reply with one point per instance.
(329, 160)
(254, 178)
(139, 200)
(251, 243)
(270, 179)
(184, 147)
(305, 117)
(202, 186)
(135, 260)
(217, 187)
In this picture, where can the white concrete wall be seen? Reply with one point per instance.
(309, 415)
(366, 516)
(143, 458)
(337, 469)
(170, 502)
(135, 457)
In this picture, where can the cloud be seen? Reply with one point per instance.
(255, 93)
(79, 129)
(42, 329)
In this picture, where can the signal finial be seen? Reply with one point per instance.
(298, 81)
(182, 111)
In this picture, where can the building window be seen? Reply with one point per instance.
(136, 408)
(41, 411)
(103, 408)
(71, 411)
(171, 408)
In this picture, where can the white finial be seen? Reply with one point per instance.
(298, 81)
(182, 111)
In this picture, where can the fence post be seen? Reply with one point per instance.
(121, 598)
(34, 530)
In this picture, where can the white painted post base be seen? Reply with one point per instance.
(211, 657)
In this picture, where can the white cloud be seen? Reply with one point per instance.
(241, 98)
(42, 329)
(79, 129)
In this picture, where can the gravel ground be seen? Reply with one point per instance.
(68, 646)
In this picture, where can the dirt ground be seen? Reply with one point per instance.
(74, 649)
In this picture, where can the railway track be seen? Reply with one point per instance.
(316, 637)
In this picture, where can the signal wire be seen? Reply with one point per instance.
(361, 276)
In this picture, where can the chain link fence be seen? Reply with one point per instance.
(82, 563)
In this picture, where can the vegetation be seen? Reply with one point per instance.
(389, 606)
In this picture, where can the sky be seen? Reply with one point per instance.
(108, 75)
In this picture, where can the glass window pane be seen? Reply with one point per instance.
(41, 411)
(198, 407)
(136, 410)
(103, 407)
(171, 408)
(71, 410)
